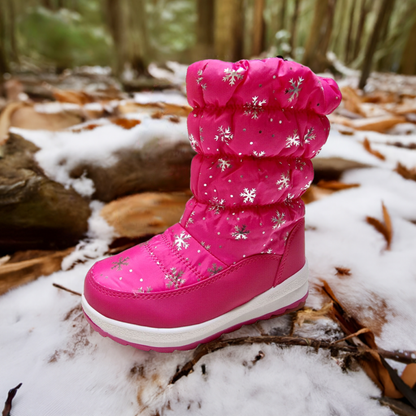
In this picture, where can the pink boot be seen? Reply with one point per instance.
(237, 254)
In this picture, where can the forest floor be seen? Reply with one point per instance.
(360, 245)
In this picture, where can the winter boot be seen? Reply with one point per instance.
(237, 255)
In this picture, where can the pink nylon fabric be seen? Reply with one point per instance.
(255, 125)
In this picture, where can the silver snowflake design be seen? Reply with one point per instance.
(190, 219)
(240, 233)
(174, 278)
(193, 142)
(206, 246)
(268, 251)
(199, 80)
(233, 75)
(141, 290)
(284, 181)
(306, 186)
(223, 164)
(278, 220)
(248, 195)
(295, 88)
(259, 154)
(286, 236)
(310, 135)
(299, 164)
(254, 108)
(214, 269)
(201, 138)
(216, 205)
(180, 240)
(289, 200)
(120, 263)
(293, 140)
(225, 134)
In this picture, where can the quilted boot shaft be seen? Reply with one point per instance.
(255, 126)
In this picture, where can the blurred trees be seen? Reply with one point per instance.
(363, 34)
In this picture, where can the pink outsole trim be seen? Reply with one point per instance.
(287, 309)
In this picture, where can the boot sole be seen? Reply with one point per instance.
(288, 296)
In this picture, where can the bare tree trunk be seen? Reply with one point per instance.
(373, 41)
(205, 29)
(293, 28)
(283, 12)
(348, 46)
(136, 36)
(408, 61)
(365, 9)
(228, 32)
(320, 34)
(4, 61)
(116, 24)
(258, 30)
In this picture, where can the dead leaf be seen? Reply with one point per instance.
(375, 153)
(87, 127)
(16, 273)
(342, 271)
(126, 123)
(174, 119)
(384, 228)
(72, 96)
(380, 124)
(157, 115)
(336, 185)
(405, 172)
(309, 314)
(143, 214)
(313, 193)
(8, 405)
(346, 132)
(409, 375)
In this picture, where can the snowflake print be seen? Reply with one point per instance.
(120, 263)
(295, 88)
(193, 142)
(259, 154)
(190, 219)
(199, 80)
(201, 138)
(299, 164)
(306, 186)
(293, 140)
(284, 181)
(289, 200)
(248, 195)
(225, 135)
(223, 164)
(216, 205)
(180, 240)
(310, 135)
(214, 269)
(278, 220)
(206, 246)
(254, 108)
(240, 233)
(286, 237)
(141, 290)
(174, 278)
(268, 251)
(233, 75)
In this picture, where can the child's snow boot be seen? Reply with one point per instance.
(237, 255)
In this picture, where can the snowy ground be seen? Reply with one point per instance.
(67, 369)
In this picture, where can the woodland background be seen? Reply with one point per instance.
(127, 35)
(95, 158)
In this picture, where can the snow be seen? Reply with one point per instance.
(61, 152)
(67, 369)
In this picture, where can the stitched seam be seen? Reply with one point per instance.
(156, 260)
(181, 259)
(182, 291)
(248, 207)
(284, 259)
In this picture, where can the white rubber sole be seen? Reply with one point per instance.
(290, 291)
